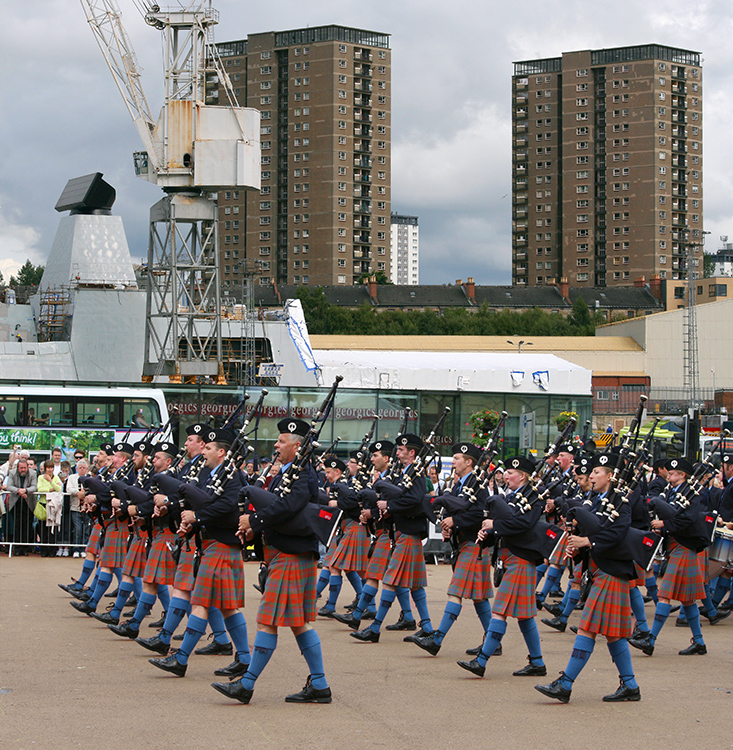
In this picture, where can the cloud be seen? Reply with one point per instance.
(18, 243)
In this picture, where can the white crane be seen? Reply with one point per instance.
(191, 150)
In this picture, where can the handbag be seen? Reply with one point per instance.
(40, 511)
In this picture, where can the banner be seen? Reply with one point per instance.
(35, 439)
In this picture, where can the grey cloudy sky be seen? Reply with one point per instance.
(62, 115)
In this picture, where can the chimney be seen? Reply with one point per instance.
(470, 289)
(655, 286)
(459, 282)
(640, 283)
(373, 290)
(564, 288)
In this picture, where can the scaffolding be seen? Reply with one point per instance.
(689, 331)
(54, 313)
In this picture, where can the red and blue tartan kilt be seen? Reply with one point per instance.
(515, 596)
(184, 580)
(557, 557)
(135, 559)
(289, 599)
(92, 547)
(607, 610)
(471, 576)
(378, 562)
(160, 567)
(407, 565)
(351, 553)
(683, 581)
(704, 558)
(640, 576)
(220, 579)
(114, 551)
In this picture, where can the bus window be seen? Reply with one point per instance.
(49, 413)
(97, 413)
(11, 412)
(141, 413)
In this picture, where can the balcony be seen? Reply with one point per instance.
(362, 223)
(363, 117)
(363, 147)
(520, 127)
(363, 131)
(362, 86)
(362, 100)
(520, 114)
(363, 55)
(364, 71)
(362, 192)
(363, 162)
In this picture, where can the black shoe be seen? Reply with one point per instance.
(70, 588)
(235, 669)
(178, 637)
(539, 602)
(476, 651)
(674, 609)
(720, 615)
(129, 614)
(554, 609)
(680, 622)
(421, 633)
(132, 601)
(554, 690)
(154, 644)
(644, 643)
(83, 607)
(351, 607)
(648, 599)
(473, 666)
(557, 593)
(158, 624)
(694, 649)
(531, 670)
(309, 694)
(579, 607)
(623, 693)
(367, 635)
(107, 618)
(574, 629)
(426, 643)
(726, 606)
(225, 649)
(639, 633)
(555, 623)
(112, 594)
(367, 615)
(402, 624)
(82, 595)
(234, 690)
(325, 611)
(170, 664)
(348, 619)
(124, 630)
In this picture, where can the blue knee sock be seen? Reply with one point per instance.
(322, 581)
(334, 589)
(310, 646)
(707, 603)
(354, 579)
(216, 623)
(637, 607)
(450, 615)
(421, 604)
(195, 628)
(122, 596)
(621, 655)
(582, 649)
(403, 597)
(144, 605)
(86, 571)
(532, 639)
(483, 610)
(366, 600)
(573, 597)
(385, 603)
(693, 620)
(176, 611)
(494, 634)
(660, 617)
(103, 583)
(262, 649)
(95, 580)
(722, 587)
(565, 597)
(164, 597)
(118, 574)
(541, 570)
(236, 626)
(137, 587)
(651, 588)
(552, 579)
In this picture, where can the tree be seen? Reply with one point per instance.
(380, 276)
(28, 275)
(581, 317)
(708, 264)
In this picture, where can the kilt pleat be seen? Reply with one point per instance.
(558, 554)
(220, 579)
(134, 565)
(378, 562)
(351, 553)
(607, 610)
(160, 567)
(515, 596)
(407, 565)
(289, 599)
(92, 547)
(114, 551)
(684, 580)
(184, 580)
(471, 576)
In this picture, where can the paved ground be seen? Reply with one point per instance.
(67, 682)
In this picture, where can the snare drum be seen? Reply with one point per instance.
(721, 551)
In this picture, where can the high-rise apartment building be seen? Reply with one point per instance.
(323, 214)
(607, 166)
(405, 250)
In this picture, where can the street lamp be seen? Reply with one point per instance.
(519, 345)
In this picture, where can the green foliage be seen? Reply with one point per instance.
(708, 263)
(483, 423)
(325, 318)
(380, 277)
(28, 275)
(563, 418)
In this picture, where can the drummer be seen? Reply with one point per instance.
(721, 499)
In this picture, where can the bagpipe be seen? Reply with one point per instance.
(312, 519)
